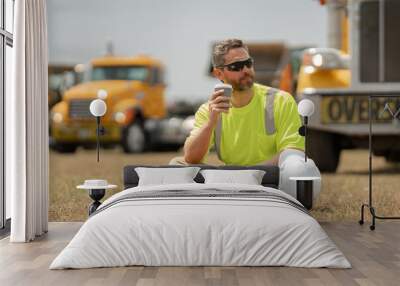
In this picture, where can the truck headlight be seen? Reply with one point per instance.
(120, 117)
(324, 59)
(57, 117)
(124, 117)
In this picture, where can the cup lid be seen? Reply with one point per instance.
(222, 85)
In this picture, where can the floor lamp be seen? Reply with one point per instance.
(98, 108)
(305, 109)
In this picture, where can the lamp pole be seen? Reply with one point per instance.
(98, 108)
(98, 137)
(305, 109)
(305, 137)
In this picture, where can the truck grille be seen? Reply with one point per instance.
(79, 109)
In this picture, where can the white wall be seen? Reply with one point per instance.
(176, 31)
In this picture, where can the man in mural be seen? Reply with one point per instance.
(253, 126)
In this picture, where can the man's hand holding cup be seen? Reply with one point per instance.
(220, 101)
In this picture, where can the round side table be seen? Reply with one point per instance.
(96, 193)
(304, 190)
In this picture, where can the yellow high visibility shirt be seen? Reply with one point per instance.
(244, 140)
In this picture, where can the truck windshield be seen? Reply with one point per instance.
(120, 73)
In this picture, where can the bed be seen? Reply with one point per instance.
(201, 224)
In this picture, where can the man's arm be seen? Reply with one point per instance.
(196, 146)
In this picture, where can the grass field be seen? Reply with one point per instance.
(341, 196)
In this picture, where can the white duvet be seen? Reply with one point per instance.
(183, 231)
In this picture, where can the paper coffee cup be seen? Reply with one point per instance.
(227, 88)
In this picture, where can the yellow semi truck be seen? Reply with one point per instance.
(136, 118)
(362, 60)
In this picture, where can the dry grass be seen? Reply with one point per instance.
(344, 192)
(340, 199)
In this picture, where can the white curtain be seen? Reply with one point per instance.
(27, 152)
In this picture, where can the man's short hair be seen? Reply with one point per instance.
(222, 48)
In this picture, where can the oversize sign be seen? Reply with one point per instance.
(354, 109)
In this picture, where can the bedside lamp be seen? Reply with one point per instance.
(98, 108)
(306, 109)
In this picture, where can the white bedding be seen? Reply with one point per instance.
(200, 231)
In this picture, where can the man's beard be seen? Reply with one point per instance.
(244, 83)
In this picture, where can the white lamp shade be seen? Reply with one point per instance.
(102, 94)
(306, 107)
(98, 107)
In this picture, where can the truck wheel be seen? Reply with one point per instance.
(134, 139)
(64, 147)
(322, 148)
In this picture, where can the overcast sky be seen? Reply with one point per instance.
(178, 32)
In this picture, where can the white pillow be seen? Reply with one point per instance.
(248, 177)
(163, 176)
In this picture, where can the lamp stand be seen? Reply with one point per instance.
(98, 136)
(303, 132)
(305, 137)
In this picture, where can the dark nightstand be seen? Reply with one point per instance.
(97, 190)
(304, 190)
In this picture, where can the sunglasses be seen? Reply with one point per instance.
(238, 66)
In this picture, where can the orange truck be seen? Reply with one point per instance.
(136, 118)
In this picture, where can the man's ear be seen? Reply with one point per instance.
(218, 74)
